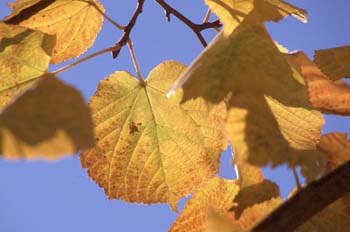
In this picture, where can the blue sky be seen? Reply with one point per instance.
(55, 197)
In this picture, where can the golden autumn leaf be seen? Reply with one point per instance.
(234, 12)
(215, 195)
(326, 95)
(334, 62)
(24, 57)
(337, 148)
(47, 121)
(254, 189)
(149, 148)
(75, 23)
(270, 118)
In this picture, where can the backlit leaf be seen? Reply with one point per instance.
(270, 120)
(326, 95)
(254, 189)
(337, 148)
(215, 195)
(254, 214)
(149, 149)
(24, 57)
(47, 121)
(234, 12)
(75, 23)
(334, 62)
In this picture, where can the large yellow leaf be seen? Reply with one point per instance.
(234, 12)
(271, 120)
(334, 62)
(47, 121)
(149, 149)
(215, 195)
(24, 56)
(75, 23)
(326, 95)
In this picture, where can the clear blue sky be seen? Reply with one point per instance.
(56, 197)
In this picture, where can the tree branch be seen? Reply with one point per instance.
(308, 201)
(127, 30)
(196, 28)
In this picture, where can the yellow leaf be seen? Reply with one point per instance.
(326, 95)
(75, 23)
(24, 57)
(47, 121)
(254, 189)
(254, 214)
(215, 195)
(334, 62)
(149, 149)
(270, 119)
(234, 12)
(337, 148)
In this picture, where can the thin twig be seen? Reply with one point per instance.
(126, 36)
(117, 47)
(106, 50)
(134, 60)
(196, 28)
(296, 178)
(117, 25)
(308, 201)
(207, 16)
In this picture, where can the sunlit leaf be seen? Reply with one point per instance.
(47, 121)
(234, 12)
(149, 149)
(270, 120)
(215, 195)
(254, 188)
(24, 56)
(337, 148)
(326, 95)
(75, 23)
(334, 62)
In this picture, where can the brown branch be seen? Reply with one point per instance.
(196, 28)
(127, 30)
(308, 201)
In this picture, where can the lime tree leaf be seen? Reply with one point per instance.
(270, 118)
(254, 188)
(24, 57)
(337, 148)
(149, 148)
(47, 121)
(254, 214)
(334, 62)
(215, 195)
(75, 23)
(234, 12)
(326, 95)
